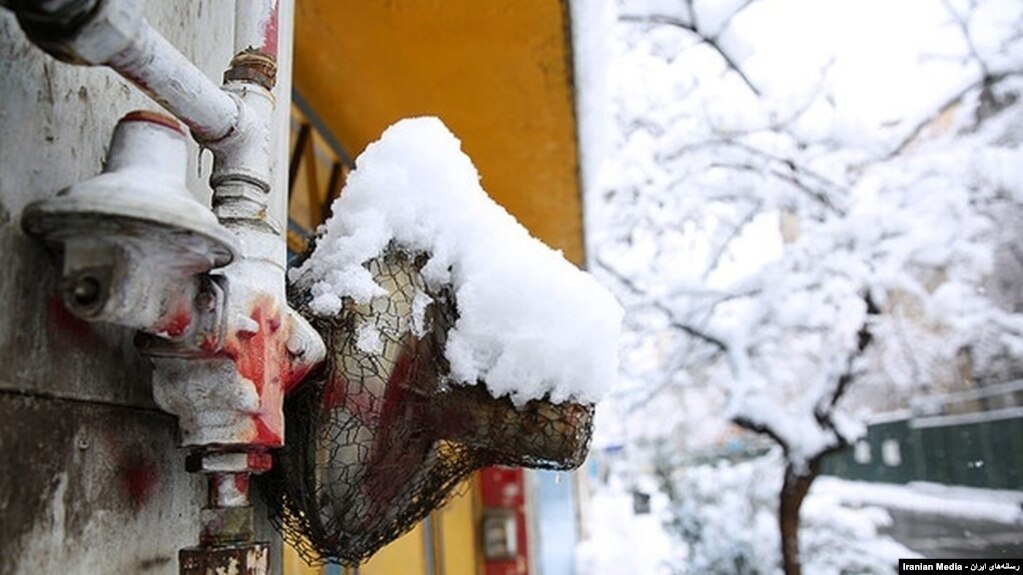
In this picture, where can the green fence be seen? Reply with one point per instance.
(982, 449)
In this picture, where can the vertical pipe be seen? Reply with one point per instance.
(256, 26)
(281, 128)
(228, 489)
(429, 545)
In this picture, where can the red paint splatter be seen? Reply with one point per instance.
(209, 343)
(265, 435)
(397, 453)
(260, 460)
(134, 76)
(154, 118)
(262, 358)
(241, 482)
(334, 392)
(270, 32)
(296, 373)
(138, 479)
(175, 323)
(63, 322)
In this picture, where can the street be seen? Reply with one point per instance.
(939, 536)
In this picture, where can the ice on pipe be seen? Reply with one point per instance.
(530, 324)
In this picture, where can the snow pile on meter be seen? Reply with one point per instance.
(530, 324)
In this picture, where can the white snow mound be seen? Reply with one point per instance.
(530, 323)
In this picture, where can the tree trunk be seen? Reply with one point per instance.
(793, 492)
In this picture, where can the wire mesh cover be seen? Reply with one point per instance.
(376, 439)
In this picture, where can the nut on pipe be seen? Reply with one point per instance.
(248, 559)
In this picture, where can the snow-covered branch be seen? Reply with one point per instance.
(691, 25)
(674, 322)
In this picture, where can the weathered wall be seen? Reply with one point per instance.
(91, 480)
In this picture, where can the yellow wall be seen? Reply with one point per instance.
(454, 532)
(497, 72)
(294, 565)
(454, 535)
(406, 555)
(459, 521)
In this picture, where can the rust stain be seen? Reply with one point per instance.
(241, 482)
(154, 118)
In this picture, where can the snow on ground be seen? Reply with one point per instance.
(529, 322)
(621, 542)
(734, 534)
(725, 517)
(947, 500)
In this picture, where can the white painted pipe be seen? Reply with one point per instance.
(237, 122)
(114, 33)
(255, 26)
(161, 71)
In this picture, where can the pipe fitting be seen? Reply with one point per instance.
(253, 558)
(252, 67)
(242, 159)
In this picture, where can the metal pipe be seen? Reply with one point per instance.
(228, 489)
(241, 173)
(56, 17)
(115, 34)
(255, 26)
(161, 71)
(227, 391)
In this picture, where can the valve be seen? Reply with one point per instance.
(136, 245)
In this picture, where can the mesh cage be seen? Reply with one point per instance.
(376, 438)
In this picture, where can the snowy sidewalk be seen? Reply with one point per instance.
(932, 498)
(940, 521)
(622, 543)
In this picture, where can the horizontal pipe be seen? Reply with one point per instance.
(161, 71)
(114, 33)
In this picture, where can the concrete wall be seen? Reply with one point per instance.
(91, 480)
